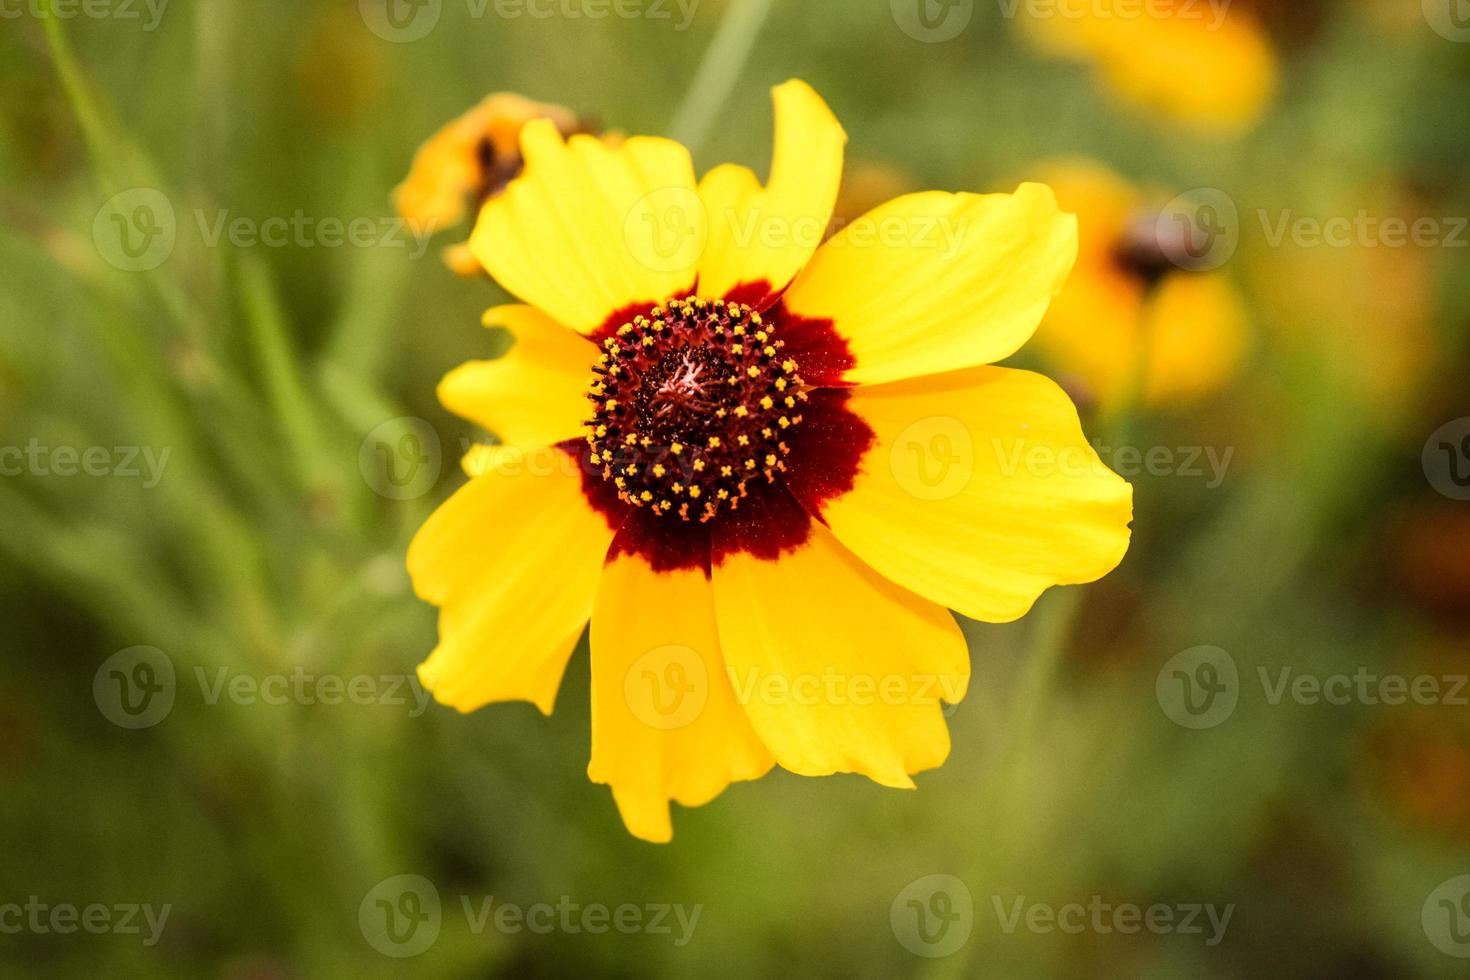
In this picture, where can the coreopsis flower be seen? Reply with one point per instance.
(470, 160)
(764, 469)
(1128, 308)
(1208, 65)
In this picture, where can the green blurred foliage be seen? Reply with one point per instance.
(264, 549)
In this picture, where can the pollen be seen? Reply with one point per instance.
(685, 407)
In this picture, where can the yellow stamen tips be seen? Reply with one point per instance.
(682, 375)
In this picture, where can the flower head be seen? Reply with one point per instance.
(1204, 64)
(1129, 308)
(763, 466)
(470, 160)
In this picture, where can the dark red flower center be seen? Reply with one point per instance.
(693, 403)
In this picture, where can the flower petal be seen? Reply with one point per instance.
(980, 493)
(838, 669)
(534, 395)
(764, 235)
(932, 282)
(512, 560)
(589, 228)
(665, 723)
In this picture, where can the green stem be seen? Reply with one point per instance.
(721, 68)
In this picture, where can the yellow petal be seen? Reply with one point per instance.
(766, 234)
(932, 282)
(838, 669)
(589, 228)
(512, 560)
(980, 492)
(536, 394)
(665, 724)
(1196, 330)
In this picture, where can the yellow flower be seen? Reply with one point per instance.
(870, 470)
(1209, 66)
(1192, 323)
(470, 160)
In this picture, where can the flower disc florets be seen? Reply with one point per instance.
(692, 401)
